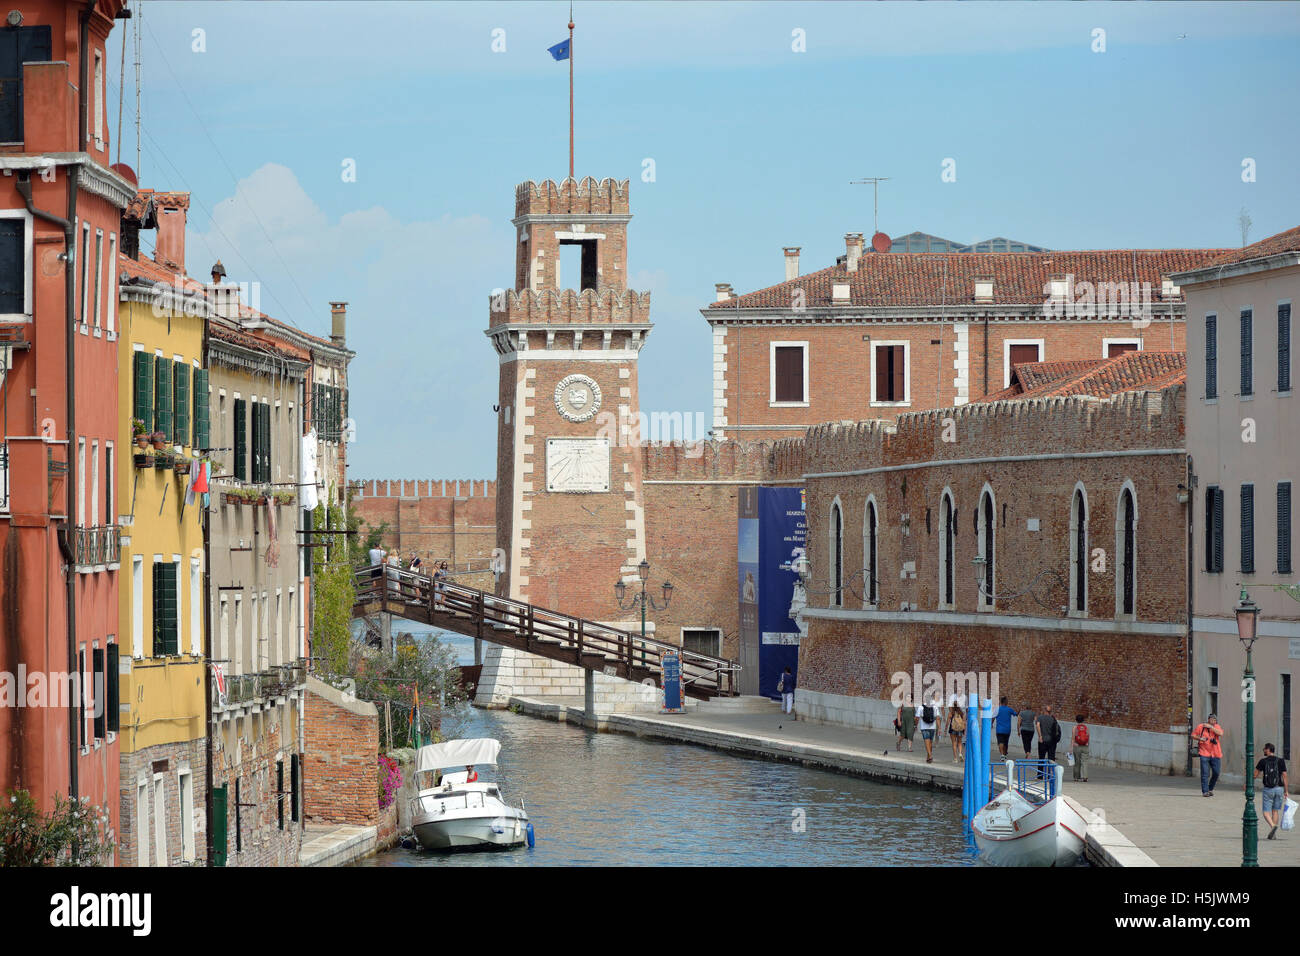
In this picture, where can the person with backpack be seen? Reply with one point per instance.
(957, 731)
(928, 722)
(1273, 770)
(785, 687)
(1079, 747)
(1209, 738)
(1049, 734)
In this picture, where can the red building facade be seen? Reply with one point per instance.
(60, 216)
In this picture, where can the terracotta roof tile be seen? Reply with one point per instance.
(1102, 378)
(1288, 241)
(933, 278)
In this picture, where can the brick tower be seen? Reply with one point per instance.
(569, 501)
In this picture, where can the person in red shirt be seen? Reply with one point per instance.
(471, 775)
(1210, 750)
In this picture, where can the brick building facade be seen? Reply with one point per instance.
(436, 520)
(1080, 600)
(342, 745)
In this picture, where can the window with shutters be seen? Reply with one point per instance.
(1019, 352)
(240, 470)
(789, 373)
(112, 708)
(1284, 347)
(18, 46)
(13, 264)
(142, 372)
(165, 640)
(99, 702)
(181, 401)
(266, 442)
(1114, 347)
(82, 690)
(98, 308)
(162, 395)
(947, 545)
(1214, 529)
(1079, 552)
(109, 501)
(255, 448)
(1284, 527)
(837, 554)
(1247, 347)
(889, 373)
(85, 274)
(201, 424)
(1211, 356)
(1248, 529)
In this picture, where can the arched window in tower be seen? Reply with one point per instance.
(837, 555)
(1079, 553)
(1126, 550)
(870, 546)
(947, 548)
(986, 527)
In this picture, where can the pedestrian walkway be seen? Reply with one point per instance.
(1166, 818)
(336, 845)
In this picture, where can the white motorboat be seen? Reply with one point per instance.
(454, 809)
(1030, 823)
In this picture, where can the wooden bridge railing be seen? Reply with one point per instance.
(480, 614)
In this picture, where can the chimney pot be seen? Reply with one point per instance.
(853, 248)
(791, 262)
(723, 290)
(339, 322)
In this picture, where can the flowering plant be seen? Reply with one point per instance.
(390, 779)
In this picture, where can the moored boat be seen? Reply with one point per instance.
(1030, 823)
(455, 809)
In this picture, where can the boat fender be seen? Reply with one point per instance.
(1016, 824)
(530, 835)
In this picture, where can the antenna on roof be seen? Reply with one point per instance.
(875, 189)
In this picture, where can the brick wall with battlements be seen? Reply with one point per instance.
(436, 519)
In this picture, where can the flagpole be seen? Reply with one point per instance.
(570, 89)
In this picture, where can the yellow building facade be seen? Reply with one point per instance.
(162, 388)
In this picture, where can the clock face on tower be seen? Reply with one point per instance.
(577, 398)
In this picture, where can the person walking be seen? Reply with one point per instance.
(1209, 736)
(957, 732)
(906, 722)
(1079, 748)
(1002, 725)
(1025, 721)
(928, 723)
(439, 577)
(1049, 732)
(1273, 770)
(785, 686)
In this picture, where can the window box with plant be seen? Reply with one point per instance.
(159, 441)
(182, 465)
(143, 459)
(139, 433)
(284, 497)
(162, 460)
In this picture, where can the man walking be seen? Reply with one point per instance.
(1026, 724)
(1210, 737)
(1049, 732)
(928, 723)
(1002, 727)
(1079, 747)
(1273, 769)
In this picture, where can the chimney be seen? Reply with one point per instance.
(791, 262)
(339, 319)
(840, 289)
(983, 288)
(853, 246)
(218, 273)
(724, 291)
(169, 246)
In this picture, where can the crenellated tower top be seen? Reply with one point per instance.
(585, 196)
(571, 235)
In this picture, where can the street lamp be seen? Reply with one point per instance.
(1247, 622)
(642, 599)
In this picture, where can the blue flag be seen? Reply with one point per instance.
(560, 51)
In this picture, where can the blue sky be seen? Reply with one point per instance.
(754, 145)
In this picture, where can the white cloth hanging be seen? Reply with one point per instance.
(307, 494)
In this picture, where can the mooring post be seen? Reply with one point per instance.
(589, 694)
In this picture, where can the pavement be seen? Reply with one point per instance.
(1153, 820)
(336, 845)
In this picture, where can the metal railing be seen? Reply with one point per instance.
(276, 681)
(1035, 780)
(100, 545)
(475, 612)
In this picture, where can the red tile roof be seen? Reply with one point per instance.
(1288, 241)
(1102, 378)
(933, 278)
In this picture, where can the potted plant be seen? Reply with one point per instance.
(139, 433)
(141, 458)
(284, 497)
(182, 465)
(159, 441)
(161, 460)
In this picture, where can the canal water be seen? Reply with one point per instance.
(610, 799)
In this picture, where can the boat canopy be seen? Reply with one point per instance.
(457, 753)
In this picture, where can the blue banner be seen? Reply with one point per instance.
(782, 539)
(672, 674)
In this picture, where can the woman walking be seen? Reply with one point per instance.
(957, 732)
(439, 577)
(906, 722)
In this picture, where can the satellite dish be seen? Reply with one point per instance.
(881, 242)
(126, 172)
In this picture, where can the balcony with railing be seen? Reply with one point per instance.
(97, 548)
(258, 687)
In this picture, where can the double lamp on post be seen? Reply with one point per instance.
(643, 599)
(1247, 624)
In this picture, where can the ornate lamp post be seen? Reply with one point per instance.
(1247, 620)
(642, 599)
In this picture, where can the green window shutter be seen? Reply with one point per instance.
(255, 472)
(181, 387)
(112, 682)
(219, 849)
(201, 439)
(162, 406)
(167, 627)
(143, 369)
(241, 439)
(266, 440)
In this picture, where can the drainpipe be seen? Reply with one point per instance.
(986, 353)
(1191, 579)
(207, 635)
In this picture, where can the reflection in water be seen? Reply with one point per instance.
(611, 799)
